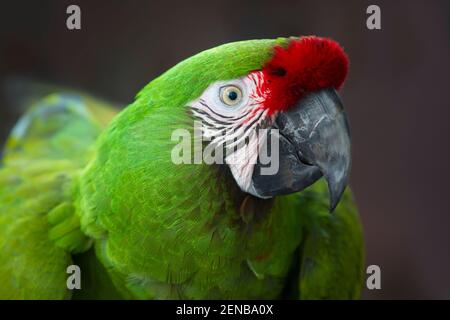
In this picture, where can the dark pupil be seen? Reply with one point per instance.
(232, 95)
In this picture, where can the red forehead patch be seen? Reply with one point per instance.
(307, 64)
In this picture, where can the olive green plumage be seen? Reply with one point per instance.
(76, 187)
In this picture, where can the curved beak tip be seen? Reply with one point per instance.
(335, 194)
(336, 177)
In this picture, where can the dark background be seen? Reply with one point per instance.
(396, 95)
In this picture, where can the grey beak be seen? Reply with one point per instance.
(314, 141)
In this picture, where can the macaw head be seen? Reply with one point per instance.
(244, 95)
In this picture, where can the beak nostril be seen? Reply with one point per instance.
(279, 72)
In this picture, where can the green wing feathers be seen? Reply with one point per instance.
(39, 229)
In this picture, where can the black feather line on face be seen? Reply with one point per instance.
(254, 121)
(233, 119)
(213, 122)
(203, 103)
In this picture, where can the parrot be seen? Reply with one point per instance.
(86, 184)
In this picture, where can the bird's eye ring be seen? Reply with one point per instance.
(230, 95)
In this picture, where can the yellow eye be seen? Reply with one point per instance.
(230, 95)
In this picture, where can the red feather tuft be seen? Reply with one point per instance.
(307, 64)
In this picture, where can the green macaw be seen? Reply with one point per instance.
(83, 184)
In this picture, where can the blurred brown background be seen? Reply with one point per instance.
(396, 96)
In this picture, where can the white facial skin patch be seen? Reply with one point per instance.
(231, 113)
